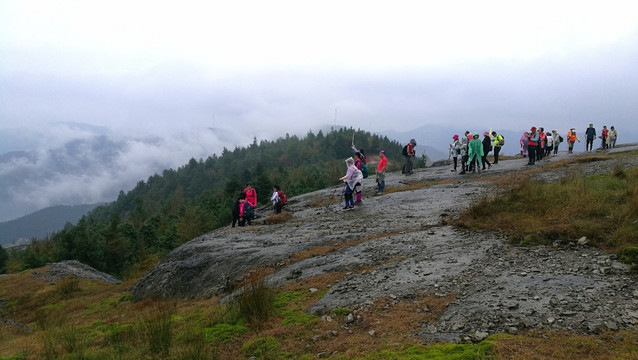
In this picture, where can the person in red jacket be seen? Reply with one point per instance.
(251, 195)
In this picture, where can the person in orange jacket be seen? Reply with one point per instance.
(571, 139)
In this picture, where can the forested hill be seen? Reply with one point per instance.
(171, 208)
(40, 223)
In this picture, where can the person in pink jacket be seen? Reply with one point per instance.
(251, 195)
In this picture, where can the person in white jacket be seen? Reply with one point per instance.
(352, 178)
(455, 150)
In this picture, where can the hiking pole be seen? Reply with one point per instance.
(333, 194)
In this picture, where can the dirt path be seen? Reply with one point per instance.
(400, 240)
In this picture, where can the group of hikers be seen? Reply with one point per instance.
(243, 210)
(473, 151)
(537, 144)
(356, 171)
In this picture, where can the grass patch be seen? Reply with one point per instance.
(603, 208)
(68, 286)
(157, 329)
(416, 185)
(255, 303)
(224, 333)
(480, 351)
(566, 346)
(278, 218)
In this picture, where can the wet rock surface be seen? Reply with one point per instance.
(399, 245)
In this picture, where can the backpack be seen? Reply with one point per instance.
(502, 141)
(560, 138)
(364, 170)
(248, 210)
(405, 150)
(282, 198)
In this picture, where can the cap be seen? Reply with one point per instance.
(382, 152)
(412, 141)
(455, 137)
(533, 128)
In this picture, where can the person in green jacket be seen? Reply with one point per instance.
(475, 152)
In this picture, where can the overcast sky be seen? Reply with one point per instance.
(290, 65)
(164, 71)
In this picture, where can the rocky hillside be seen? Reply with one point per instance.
(398, 245)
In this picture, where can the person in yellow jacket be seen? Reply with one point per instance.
(571, 139)
(499, 141)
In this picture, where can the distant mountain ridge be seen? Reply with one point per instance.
(42, 222)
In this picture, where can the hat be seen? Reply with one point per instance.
(486, 134)
(455, 137)
(350, 160)
(412, 141)
(533, 128)
(382, 152)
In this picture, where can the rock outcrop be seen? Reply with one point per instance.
(73, 268)
(398, 244)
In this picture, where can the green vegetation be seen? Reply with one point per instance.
(602, 208)
(3, 260)
(480, 351)
(126, 237)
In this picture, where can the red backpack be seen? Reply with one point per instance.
(282, 197)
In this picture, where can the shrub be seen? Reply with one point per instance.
(256, 303)
(68, 286)
(629, 255)
(157, 330)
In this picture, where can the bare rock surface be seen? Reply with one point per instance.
(402, 242)
(73, 268)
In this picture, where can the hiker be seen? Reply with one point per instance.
(590, 135)
(557, 140)
(383, 164)
(251, 196)
(352, 177)
(523, 141)
(499, 141)
(613, 135)
(455, 150)
(362, 156)
(487, 147)
(464, 156)
(409, 155)
(540, 146)
(571, 139)
(277, 201)
(357, 189)
(241, 211)
(475, 153)
(532, 144)
(549, 146)
(605, 134)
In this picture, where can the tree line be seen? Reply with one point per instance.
(130, 234)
